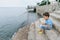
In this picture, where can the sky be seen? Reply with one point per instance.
(18, 3)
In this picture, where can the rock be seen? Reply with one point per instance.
(22, 34)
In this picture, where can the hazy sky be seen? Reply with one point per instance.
(9, 3)
(17, 3)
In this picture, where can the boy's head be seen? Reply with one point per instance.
(46, 15)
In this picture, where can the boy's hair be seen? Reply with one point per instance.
(46, 14)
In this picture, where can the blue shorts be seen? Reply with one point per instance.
(45, 27)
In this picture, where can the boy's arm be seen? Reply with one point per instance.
(50, 24)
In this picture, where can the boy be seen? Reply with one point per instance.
(45, 23)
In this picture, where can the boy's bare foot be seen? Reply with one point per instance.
(52, 30)
(41, 31)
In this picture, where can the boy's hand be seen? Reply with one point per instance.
(43, 23)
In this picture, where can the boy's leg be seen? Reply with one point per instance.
(46, 28)
(41, 30)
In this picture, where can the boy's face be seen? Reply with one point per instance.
(46, 17)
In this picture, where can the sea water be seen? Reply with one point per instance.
(11, 19)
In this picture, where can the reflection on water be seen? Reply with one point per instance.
(11, 19)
